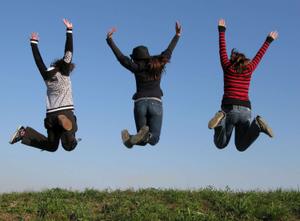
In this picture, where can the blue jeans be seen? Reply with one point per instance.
(149, 112)
(246, 132)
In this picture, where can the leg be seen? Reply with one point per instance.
(246, 133)
(140, 117)
(223, 131)
(155, 116)
(140, 114)
(68, 138)
(35, 139)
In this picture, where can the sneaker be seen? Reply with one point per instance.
(264, 126)
(18, 135)
(126, 138)
(140, 136)
(65, 122)
(216, 120)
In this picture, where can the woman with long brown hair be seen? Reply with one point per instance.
(148, 71)
(236, 107)
(60, 121)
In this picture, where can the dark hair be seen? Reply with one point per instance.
(63, 67)
(238, 60)
(156, 66)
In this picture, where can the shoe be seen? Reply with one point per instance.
(264, 126)
(140, 136)
(18, 135)
(65, 122)
(216, 120)
(126, 138)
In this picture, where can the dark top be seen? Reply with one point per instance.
(48, 73)
(145, 86)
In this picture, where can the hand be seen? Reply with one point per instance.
(178, 28)
(68, 24)
(273, 34)
(111, 32)
(222, 23)
(34, 36)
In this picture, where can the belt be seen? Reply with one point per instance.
(148, 98)
(231, 107)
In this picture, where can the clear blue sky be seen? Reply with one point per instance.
(193, 85)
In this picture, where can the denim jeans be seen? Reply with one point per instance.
(149, 112)
(246, 132)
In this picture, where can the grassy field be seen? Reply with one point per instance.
(151, 204)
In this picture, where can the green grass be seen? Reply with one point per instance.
(206, 204)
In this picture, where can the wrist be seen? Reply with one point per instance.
(270, 39)
(34, 41)
(69, 30)
(221, 28)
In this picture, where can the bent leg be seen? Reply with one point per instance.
(35, 139)
(155, 117)
(223, 132)
(68, 138)
(140, 116)
(246, 134)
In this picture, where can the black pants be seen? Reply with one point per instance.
(55, 133)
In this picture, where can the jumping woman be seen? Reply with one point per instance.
(236, 107)
(60, 120)
(147, 71)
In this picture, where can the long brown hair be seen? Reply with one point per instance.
(156, 66)
(238, 60)
(63, 67)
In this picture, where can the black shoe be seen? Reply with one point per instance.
(140, 136)
(264, 126)
(18, 135)
(126, 138)
(214, 122)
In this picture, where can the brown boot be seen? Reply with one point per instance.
(264, 126)
(214, 122)
(126, 138)
(140, 136)
(65, 122)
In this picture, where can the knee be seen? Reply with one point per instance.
(241, 147)
(69, 146)
(220, 145)
(153, 140)
(52, 147)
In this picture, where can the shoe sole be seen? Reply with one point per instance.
(65, 122)
(215, 120)
(140, 135)
(126, 138)
(14, 135)
(264, 126)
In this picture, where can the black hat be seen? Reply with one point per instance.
(140, 52)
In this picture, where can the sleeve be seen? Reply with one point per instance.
(168, 52)
(68, 47)
(261, 52)
(125, 61)
(38, 58)
(222, 47)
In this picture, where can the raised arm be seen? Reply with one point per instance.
(222, 44)
(69, 42)
(34, 40)
(168, 52)
(257, 58)
(125, 61)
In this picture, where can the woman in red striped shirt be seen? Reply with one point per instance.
(236, 107)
